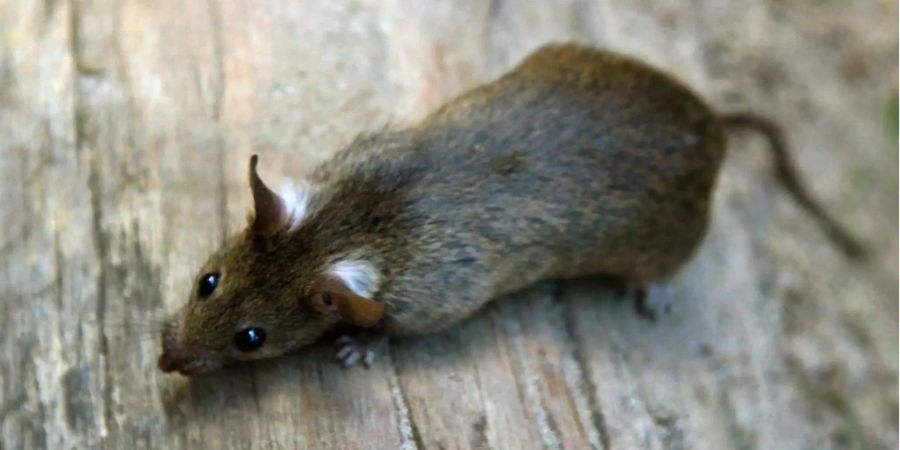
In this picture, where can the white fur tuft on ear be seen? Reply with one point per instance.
(297, 199)
(360, 276)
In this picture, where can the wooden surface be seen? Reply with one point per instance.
(125, 129)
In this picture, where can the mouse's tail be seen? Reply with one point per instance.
(787, 174)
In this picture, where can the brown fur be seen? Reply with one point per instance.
(576, 162)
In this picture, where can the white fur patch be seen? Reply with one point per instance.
(360, 276)
(297, 199)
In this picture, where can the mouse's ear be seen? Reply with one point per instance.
(332, 297)
(269, 211)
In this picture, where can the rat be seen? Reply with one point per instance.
(577, 162)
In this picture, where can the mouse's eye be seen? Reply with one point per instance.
(208, 284)
(249, 339)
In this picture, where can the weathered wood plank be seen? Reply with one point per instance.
(125, 128)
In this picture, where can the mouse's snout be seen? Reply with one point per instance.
(174, 358)
(169, 362)
(186, 363)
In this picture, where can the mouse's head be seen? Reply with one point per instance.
(254, 299)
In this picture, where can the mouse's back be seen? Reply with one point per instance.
(579, 136)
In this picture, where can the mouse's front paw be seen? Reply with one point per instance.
(358, 348)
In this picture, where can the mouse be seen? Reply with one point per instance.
(576, 162)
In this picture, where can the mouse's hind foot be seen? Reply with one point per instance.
(651, 300)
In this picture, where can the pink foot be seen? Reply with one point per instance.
(351, 350)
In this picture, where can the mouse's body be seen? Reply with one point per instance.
(577, 162)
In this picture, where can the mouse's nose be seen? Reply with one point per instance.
(169, 362)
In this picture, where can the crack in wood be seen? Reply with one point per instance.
(86, 142)
(410, 438)
(218, 97)
(75, 47)
(598, 421)
(480, 431)
(528, 379)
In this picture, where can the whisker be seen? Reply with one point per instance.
(139, 321)
(138, 328)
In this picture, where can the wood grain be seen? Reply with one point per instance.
(125, 127)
